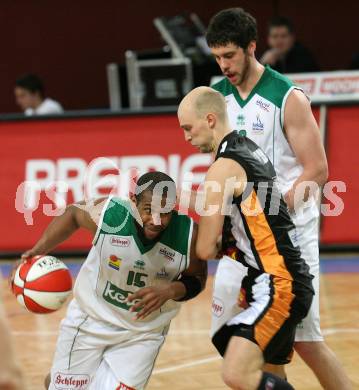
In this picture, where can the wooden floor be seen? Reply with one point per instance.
(188, 360)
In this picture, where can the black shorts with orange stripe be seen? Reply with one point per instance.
(273, 307)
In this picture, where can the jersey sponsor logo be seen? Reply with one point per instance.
(71, 381)
(122, 386)
(139, 264)
(241, 120)
(114, 262)
(264, 106)
(258, 126)
(163, 274)
(217, 307)
(293, 236)
(120, 241)
(116, 296)
(169, 255)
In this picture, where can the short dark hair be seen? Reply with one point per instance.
(150, 180)
(281, 21)
(232, 25)
(31, 82)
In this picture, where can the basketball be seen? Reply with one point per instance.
(42, 284)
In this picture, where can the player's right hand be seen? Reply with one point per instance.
(26, 256)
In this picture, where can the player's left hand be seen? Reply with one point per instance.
(149, 299)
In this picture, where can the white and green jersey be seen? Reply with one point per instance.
(119, 264)
(260, 117)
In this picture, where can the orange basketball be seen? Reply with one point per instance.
(42, 284)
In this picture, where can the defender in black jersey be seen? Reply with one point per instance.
(257, 231)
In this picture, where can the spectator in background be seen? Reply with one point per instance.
(285, 54)
(29, 94)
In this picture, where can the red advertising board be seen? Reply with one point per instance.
(90, 157)
(88, 154)
(342, 147)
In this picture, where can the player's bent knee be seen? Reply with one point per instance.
(47, 381)
(235, 380)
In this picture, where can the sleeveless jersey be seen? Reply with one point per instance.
(120, 264)
(260, 117)
(259, 231)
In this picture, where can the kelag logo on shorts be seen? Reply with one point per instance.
(71, 381)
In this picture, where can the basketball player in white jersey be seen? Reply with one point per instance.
(267, 108)
(140, 266)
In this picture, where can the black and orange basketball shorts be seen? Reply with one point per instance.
(273, 307)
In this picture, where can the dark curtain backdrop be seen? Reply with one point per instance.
(69, 43)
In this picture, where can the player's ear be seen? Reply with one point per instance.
(251, 48)
(211, 120)
(134, 199)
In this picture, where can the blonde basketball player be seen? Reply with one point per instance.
(243, 203)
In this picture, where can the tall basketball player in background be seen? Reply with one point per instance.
(11, 377)
(267, 108)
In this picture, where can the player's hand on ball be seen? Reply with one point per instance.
(41, 283)
(26, 256)
(148, 300)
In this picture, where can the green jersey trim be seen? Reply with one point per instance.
(285, 98)
(178, 233)
(118, 218)
(272, 86)
(97, 234)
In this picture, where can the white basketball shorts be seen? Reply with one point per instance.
(229, 275)
(95, 355)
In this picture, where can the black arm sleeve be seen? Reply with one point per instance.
(193, 287)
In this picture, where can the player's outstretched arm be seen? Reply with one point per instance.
(78, 215)
(303, 135)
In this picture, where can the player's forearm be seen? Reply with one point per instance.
(177, 290)
(302, 189)
(60, 228)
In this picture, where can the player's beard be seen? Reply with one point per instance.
(242, 77)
